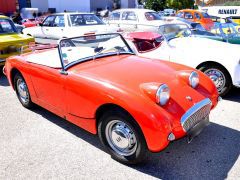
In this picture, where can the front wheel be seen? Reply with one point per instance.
(219, 76)
(22, 91)
(122, 138)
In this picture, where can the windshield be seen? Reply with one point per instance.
(85, 19)
(6, 26)
(205, 15)
(80, 49)
(151, 16)
(172, 31)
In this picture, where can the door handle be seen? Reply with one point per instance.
(135, 26)
(118, 25)
(47, 29)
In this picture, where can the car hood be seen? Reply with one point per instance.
(15, 38)
(126, 69)
(128, 72)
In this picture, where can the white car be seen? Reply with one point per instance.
(219, 60)
(130, 20)
(65, 25)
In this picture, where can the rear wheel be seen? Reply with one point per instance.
(220, 76)
(22, 91)
(122, 137)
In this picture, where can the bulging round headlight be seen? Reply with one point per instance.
(194, 79)
(163, 94)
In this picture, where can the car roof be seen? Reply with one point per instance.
(71, 13)
(134, 9)
(189, 10)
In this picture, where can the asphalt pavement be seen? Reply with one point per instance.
(39, 145)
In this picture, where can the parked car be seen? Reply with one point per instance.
(196, 16)
(62, 25)
(29, 22)
(134, 104)
(10, 40)
(169, 12)
(227, 32)
(224, 21)
(130, 20)
(219, 60)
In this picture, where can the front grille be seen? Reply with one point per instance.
(195, 114)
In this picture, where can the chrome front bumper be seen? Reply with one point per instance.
(196, 114)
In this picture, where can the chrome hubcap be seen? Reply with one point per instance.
(22, 90)
(217, 77)
(121, 138)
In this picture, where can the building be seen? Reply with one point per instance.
(10, 6)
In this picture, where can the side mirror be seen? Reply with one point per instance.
(40, 24)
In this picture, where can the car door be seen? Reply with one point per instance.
(49, 87)
(197, 17)
(129, 21)
(57, 30)
(46, 25)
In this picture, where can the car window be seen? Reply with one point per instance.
(59, 21)
(151, 16)
(114, 16)
(130, 16)
(85, 19)
(6, 26)
(188, 15)
(49, 21)
(180, 14)
(197, 16)
(205, 15)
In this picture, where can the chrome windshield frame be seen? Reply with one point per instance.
(64, 68)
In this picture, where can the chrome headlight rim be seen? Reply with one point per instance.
(163, 95)
(194, 79)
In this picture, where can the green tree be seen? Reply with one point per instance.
(232, 3)
(180, 4)
(156, 5)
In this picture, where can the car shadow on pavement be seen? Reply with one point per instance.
(211, 155)
(3, 80)
(233, 95)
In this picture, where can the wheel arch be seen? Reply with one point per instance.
(114, 107)
(213, 63)
(13, 72)
(109, 107)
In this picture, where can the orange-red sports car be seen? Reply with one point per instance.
(134, 104)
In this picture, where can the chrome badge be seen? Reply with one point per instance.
(189, 98)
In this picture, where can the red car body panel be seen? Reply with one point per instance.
(118, 80)
(30, 23)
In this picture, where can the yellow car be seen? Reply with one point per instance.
(10, 40)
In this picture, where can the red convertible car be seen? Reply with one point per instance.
(133, 104)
